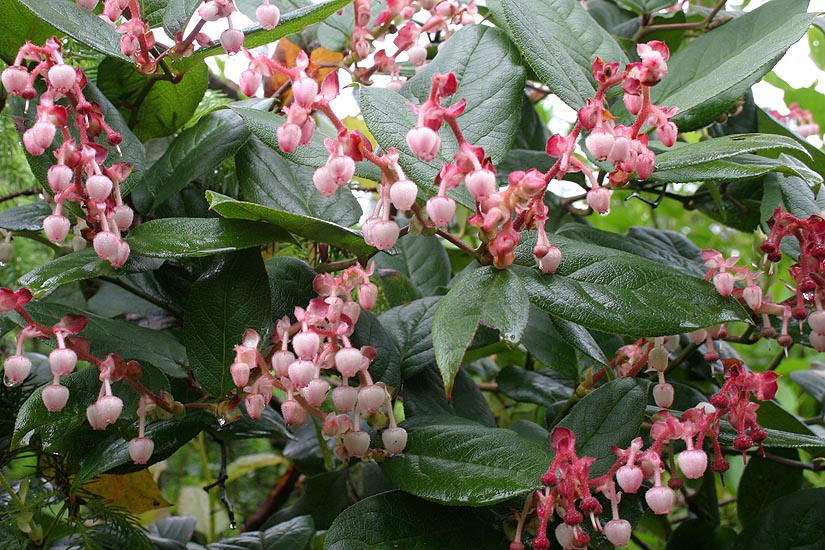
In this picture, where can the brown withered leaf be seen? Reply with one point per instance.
(285, 54)
(136, 492)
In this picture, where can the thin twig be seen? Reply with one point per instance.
(703, 24)
(22, 193)
(221, 484)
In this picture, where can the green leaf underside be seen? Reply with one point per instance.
(487, 295)
(723, 148)
(456, 461)
(394, 520)
(612, 291)
(790, 522)
(410, 327)
(563, 52)
(710, 73)
(302, 226)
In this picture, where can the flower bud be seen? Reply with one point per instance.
(357, 443)
(255, 403)
(268, 16)
(316, 392)
(693, 463)
(385, 234)
(657, 359)
(367, 295)
(99, 187)
(424, 142)
(15, 79)
(306, 344)
(240, 374)
(109, 408)
(551, 261)
(301, 372)
(232, 41)
(345, 398)
(629, 478)
(599, 199)
(600, 143)
(106, 245)
(324, 181)
(281, 361)
(617, 532)
(6, 252)
(250, 81)
(480, 183)
(723, 282)
(289, 136)
(403, 194)
(56, 228)
(336, 424)
(62, 77)
(59, 177)
(305, 90)
(666, 133)
(417, 55)
(394, 439)
(209, 11)
(55, 397)
(129, 44)
(348, 362)
(62, 361)
(659, 499)
(140, 449)
(370, 398)
(620, 150)
(663, 395)
(123, 216)
(441, 210)
(817, 340)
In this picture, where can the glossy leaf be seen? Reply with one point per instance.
(177, 14)
(710, 73)
(543, 341)
(386, 367)
(195, 237)
(289, 23)
(612, 291)
(290, 282)
(496, 298)
(723, 147)
(563, 52)
(26, 217)
(456, 461)
(20, 24)
(537, 387)
(610, 415)
(763, 481)
(81, 24)
(302, 226)
(792, 194)
(792, 521)
(395, 520)
(232, 296)
(423, 259)
(410, 327)
(812, 381)
(79, 266)
(424, 396)
(293, 534)
(164, 109)
(268, 179)
(193, 153)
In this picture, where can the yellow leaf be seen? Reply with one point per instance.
(136, 492)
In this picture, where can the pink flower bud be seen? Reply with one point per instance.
(250, 81)
(723, 282)
(403, 194)
(88, 4)
(617, 532)
(301, 372)
(417, 55)
(93, 416)
(306, 344)
(289, 136)
(99, 187)
(480, 183)
(109, 408)
(59, 177)
(62, 77)
(42, 134)
(394, 439)
(367, 295)
(816, 321)
(56, 228)
(281, 361)
(345, 398)
(129, 44)
(620, 150)
(305, 90)
(55, 397)
(123, 216)
(600, 143)
(140, 449)
(629, 478)
(370, 398)
(362, 49)
(307, 130)
(663, 395)
(209, 11)
(666, 133)
(121, 256)
(357, 443)
(657, 359)
(693, 463)
(15, 79)
(31, 145)
(424, 142)
(385, 234)
(324, 181)
(316, 392)
(232, 41)
(599, 199)
(817, 340)
(106, 245)
(753, 297)
(645, 164)
(6, 252)
(659, 499)
(342, 169)
(348, 362)
(16, 368)
(255, 403)
(441, 210)
(62, 361)
(293, 413)
(268, 16)
(240, 374)
(550, 262)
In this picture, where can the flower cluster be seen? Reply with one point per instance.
(801, 120)
(307, 352)
(79, 175)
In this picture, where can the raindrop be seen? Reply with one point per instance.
(222, 423)
(8, 382)
(233, 525)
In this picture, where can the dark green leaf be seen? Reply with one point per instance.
(709, 74)
(268, 179)
(424, 396)
(763, 481)
(396, 288)
(193, 153)
(532, 134)
(160, 112)
(397, 520)
(455, 461)
(410, 327)
(487, 295)
(369, 331)
(610, 415)
(612, 291)
(194, 237)
(563, 52)
(543, 341)
(696, 533)
(232, 296)
(646, 6)
(177, 14)
(793, 521)
(290, 282)
(297, 224)
(537, 387)
(20, 25)
(289, 23)
(724, 147)
(422, 259)
(79, 266)
(293, 534)
(81, 24)
(27, 217)
(742, 167)
(792, 194)
(812, 381)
